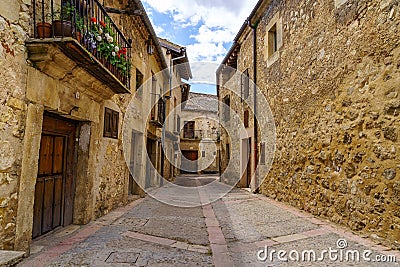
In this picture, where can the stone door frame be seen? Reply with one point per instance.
(85, 174)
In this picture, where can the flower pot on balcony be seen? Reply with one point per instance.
(43, 29)
(63, 28)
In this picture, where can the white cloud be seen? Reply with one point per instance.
(158, 29)
(218, 21)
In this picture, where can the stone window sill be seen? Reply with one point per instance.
(273, 58)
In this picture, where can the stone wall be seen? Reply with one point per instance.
(233, 131)
(14, 23)
(27, 90)
(334, 91)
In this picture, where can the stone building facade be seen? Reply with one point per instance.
(62, 112)
(177, 94)
(330, 72)
(200, 134)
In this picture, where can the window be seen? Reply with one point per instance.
(111, 118)
(245, 84)
(203, 153)
(228, 152)
(262, 153)
(161, 111)
(153, 97)
(226, 108)
(178, 123)
(139, 82)
(246, 118)
(272, 40)
(188, 129)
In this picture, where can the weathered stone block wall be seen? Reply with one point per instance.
(334, 92)
(14, 25)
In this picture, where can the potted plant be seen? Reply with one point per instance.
(62, 24)
(80, 27)
(43, 28)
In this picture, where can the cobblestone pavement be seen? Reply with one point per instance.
(241, 229)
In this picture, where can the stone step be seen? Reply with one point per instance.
(11, 258)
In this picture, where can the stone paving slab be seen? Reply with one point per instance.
(229, 232)
(250, 226)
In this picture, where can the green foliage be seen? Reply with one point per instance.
(64, 13)
(107, 46)
(80, 24)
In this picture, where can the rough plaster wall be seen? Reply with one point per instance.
(14, 23)
(334, 93)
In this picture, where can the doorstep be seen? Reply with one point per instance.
(11, 258)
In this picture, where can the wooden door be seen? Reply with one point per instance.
(151, 164)
(189, 165)
(54, 191)
(248, 167)
(246, 163)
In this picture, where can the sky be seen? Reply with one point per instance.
(206, 27)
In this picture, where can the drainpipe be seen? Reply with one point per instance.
(254, 28)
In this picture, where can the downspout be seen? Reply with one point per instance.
(254, 28)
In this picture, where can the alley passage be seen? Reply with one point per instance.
(229, 232)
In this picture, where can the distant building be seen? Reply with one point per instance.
(200, 134)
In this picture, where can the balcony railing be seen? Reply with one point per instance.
(201, 135)
(87, 22)
(192, 134)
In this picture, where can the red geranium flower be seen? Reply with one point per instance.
(122, 51)
(102, 23)
(93, 20)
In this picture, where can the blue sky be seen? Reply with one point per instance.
(206, 27)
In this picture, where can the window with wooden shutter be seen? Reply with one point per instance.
(111, 121)
(246, 118)
(178, 122)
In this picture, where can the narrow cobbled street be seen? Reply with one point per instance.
(238, 230)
